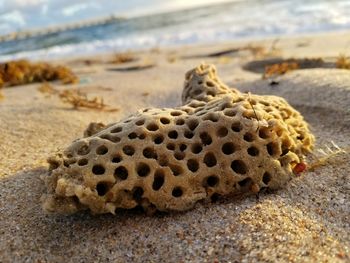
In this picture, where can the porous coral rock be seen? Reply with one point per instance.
(220, 142)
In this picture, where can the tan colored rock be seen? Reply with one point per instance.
(221, 142)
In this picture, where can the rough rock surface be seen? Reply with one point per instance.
(220, 142)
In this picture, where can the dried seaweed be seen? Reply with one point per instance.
(290, 65)
(21, 72)
(280, 69)
(326, 155)
(77, 98)
(122, 58)
(343, 62)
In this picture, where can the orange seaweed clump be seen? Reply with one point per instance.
(280, 69)
(21, 72)
(122, 58)
(343, 62)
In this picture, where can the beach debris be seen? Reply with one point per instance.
(280, 69)
(121, 58)
(299, 168)
(326, 155)
(343, 62)
(77, 98)
(146, 64)
(220, 142)
(290, 65)
(21, 72)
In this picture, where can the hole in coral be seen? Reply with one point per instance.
(158, 139)
(54, 165)
(101, 150)
(175, 113)
(284, 151)
(149, 153)
(211, 117)
(222, 132)
(176, 169)
(137, 193)
(179, 155)
(215, 197)
(248, 137)
(211, 180)
(101, 188)
(110, 138)
(264, 133)
(83, 162)
(163, 160)
(210, 159)
(158, 180)
(116, 130)
(66, 163)
(183, 147)
(142, 136)
(180, 122)
(236, 127)
(177, 192)
(83, 150)
(121, 172)
(140, 122)
(245, 183)
(196, 148)
(128, 150)
(98, 169)
(266, 178)
(132, 135)
(172, 134)
(170, 146)
(300, 137)
(152, 127)
(211, 93)
(239, 167)
(210, 84)
(230, 112)
(253, 151)
(193, 165)
(228, 148)
(164, 120)
(116, 159)
(272, 148)
(188, 134)
(205, 137)
(192, 124)
(143, 169)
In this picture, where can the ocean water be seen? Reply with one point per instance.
(173, 26)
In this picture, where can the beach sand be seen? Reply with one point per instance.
(306, 222)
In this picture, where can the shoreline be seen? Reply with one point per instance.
(44, 54)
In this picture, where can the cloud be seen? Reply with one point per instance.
(76, 8)
(14, 17)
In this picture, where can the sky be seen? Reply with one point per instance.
(18, 15)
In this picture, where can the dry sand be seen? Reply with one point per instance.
(306, 222)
